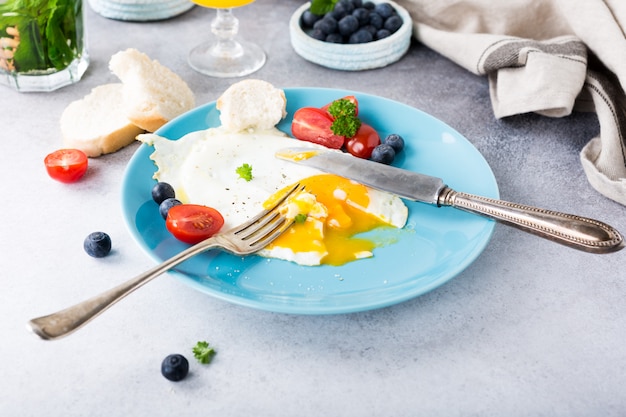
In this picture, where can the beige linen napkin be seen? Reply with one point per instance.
(543, 56)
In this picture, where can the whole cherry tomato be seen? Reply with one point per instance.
(193, 223)
(363, 142)
(66, 165)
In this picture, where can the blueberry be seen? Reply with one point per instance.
(338, 14)
(363, 15)
(166, 205)
(97, 244)
(393, 23)
(383, 153)
(175, 367)
(345, 6)
(318, 34)
(371, 29)
(369, 5)
(327, 24)
(376, 20)
(395, 141)
(162, 191)
(382, 34)
(348, 25)
(386, 10)
(361, 36)
(334, 38)
(309, 19)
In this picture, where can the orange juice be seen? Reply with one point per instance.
(222, 4)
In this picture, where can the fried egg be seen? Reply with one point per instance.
(330, 213)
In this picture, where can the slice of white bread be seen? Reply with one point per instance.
(153, 94)
(96, 124)
(251, 104)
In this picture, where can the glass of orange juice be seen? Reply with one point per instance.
(226, 56)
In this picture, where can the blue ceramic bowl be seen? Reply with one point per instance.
(140, 10)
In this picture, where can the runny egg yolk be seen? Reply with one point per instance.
(329, 213)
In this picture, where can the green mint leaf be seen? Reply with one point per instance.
(61, 37)
(321, 7)
(245, 172)
(48, 32)
(203, 352)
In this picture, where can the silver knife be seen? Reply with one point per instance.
(578, 232)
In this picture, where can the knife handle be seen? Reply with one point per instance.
(578, 232)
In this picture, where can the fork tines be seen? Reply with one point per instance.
(269, 224)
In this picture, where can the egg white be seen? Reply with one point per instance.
(201, 166)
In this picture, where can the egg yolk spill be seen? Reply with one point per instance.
(328, 213)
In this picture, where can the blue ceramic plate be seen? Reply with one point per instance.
(435, 246)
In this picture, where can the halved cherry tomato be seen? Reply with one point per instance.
(363, 142)
(313, 125)
(66, 165)
(349, 98)
(192, 223)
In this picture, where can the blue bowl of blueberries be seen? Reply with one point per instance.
(356, 35)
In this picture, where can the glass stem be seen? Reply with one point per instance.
(225, 27)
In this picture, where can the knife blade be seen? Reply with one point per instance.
(578, 232)
(406, 184)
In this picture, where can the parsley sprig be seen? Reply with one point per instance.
(203, 352)
(245, 172)
(346, 122)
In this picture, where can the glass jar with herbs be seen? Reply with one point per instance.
(42, 44)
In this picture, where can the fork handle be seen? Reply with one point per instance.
(578, 232)
(66, 321)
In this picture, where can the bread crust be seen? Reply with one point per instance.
(153, 94)
(148, 123)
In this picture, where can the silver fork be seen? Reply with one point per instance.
(245, 239)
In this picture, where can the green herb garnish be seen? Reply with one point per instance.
(203, 352)
(321, 7)
(49, 32)
(245, 172)
(300, 218)
(346, 122)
